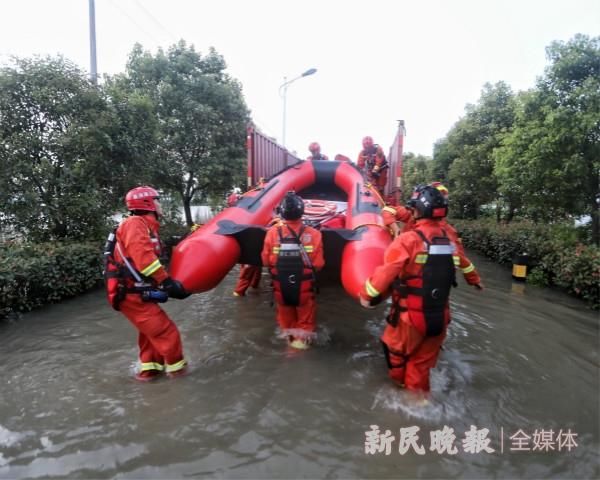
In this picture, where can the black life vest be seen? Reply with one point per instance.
(292, 278)
(426, 296)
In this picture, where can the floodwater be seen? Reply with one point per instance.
(519, 372)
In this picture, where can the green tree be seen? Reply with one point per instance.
(54, 128)
(201, 115)
(551, 160)
(134, 136)
(471, 174)
(416, 170)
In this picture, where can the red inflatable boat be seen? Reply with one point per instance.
(236, 235)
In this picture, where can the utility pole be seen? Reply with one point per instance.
(93, 64)
(284, 86)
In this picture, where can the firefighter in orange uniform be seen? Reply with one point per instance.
(419, 270)
(294, 252)
(249, 277)
(137, 248)
(372, 162)
(315, 152)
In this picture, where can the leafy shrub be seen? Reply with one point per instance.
(557, 256)
(32, 275)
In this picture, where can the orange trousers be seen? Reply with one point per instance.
(301, 317)
(410, 355)
(158, 339)
(249, 277)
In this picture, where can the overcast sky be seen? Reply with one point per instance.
(378, 60)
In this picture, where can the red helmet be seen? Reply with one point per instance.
(141, 198)
(367, 142)
(314, 147)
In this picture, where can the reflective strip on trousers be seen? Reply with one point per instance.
(152, 366)
(176, 366)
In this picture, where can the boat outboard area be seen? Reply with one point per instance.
(337, 198)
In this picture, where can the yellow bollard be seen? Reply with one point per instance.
(520, 264)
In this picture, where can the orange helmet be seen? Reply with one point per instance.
(141, 198)
(314, 147)
(443, 190)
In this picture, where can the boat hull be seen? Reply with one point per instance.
(204, 258)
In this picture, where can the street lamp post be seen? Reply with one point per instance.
(286, 83)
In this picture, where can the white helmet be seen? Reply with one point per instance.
(237, 190)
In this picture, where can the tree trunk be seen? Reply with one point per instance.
(187, 210)
(511, 213)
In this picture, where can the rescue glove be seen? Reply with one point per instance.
(370, 302)
(174, 289)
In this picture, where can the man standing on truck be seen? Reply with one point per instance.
(294, 253)
(373, 164)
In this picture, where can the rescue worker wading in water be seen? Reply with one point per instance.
(141, 281)
(294, 252)
(419, 269)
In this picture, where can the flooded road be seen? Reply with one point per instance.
(519, 361)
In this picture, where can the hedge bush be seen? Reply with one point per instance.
(557, 255)
(32, 275)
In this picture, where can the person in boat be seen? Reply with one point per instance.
(293, 253)
(373, 164)
(140, 281)
(419, 271)
(315, 152)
